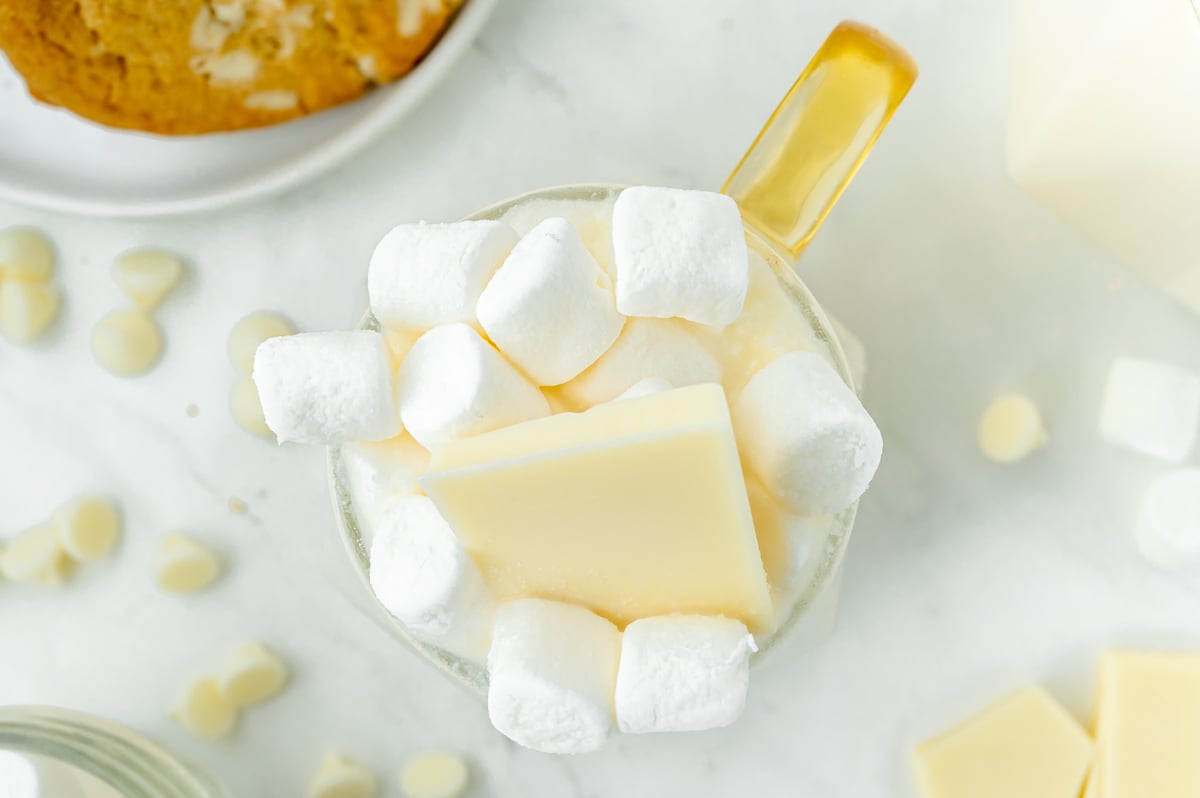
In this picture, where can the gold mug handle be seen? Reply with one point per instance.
(820, 134)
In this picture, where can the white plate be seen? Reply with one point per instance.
(54, 159)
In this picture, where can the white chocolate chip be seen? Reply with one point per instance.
(247, 408)
(25, 254)
(227, 69)
(250, 331)
(127, 342)
(1010, 429)
(185, 565)
(231, 12)
(275, 100)
(88, 528)
(366, 67)
(27, 309)
(435, 774)
(339, 777)
(147, 275)
(251, 675)
(208, 34)
(203, 711)
(35, 557)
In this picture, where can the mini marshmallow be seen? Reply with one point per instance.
(454, 384)
(552, 671)
(422, 576)
(376, 473)
(550, 306)
(422, 275)
(1151, 407)
(646, 387)
(1167, 529)
(327, 387)
(682, 673)
(806, 435)
(662, 348)
(679, 254)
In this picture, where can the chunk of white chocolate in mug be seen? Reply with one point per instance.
(27, 309)
(25, 254)
(127, 343)
(147, 275)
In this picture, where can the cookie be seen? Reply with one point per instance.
(200, 66)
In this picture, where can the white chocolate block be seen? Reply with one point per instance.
(679, 254)
(662, 348)
(35, 557)
(88, 528)
(251, 675)
(1151, 407)
(454, 384)
(376, 473)
(682, 673)
(1010, 429)
(1167, 529)
(203, 711)
(184, 565)
(552, 672)
(327, 387)
(27, 309)
(250, 331)
(340, 777)
(147, 276)
(422, 576)
(550, 306)
(246, 408)
(434, 774)
(127, 342)
(25, 254)
(422, 275)
(806, 435)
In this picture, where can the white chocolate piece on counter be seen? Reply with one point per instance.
(1151, 407)
(327, 387)
(376, 473)
(25, 254)
(550, 306)
(422, 576)
(682, 673)
(27, 309)
(434, 774)
(251, 675)
(127, 342)
(341, 777)
(1167, 529)
(247, 409)
(88, 528)
(646, 387)
(203, 711)
(422, 275)
(1010, 429)
(662, 348)
(454, 384)
(35, 557)
(679, 253)
(185, 565)
(806, 435)
(552, 671)
(147, 275)
(250, 331)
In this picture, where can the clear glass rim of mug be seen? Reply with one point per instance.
(119, 758)
(474, 676)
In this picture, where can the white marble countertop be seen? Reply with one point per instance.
(964, 579)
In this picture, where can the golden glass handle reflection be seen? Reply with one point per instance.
(820, 134)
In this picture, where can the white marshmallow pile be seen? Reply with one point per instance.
(806, 435)
(484, 329)
(453, 384)
(1167, 529)
(327, 387)
(1151, 407)
(422, 576)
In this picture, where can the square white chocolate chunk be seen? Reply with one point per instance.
(632, 509)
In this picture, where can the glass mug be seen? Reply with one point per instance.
(785, 185)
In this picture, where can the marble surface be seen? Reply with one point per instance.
(964, 579)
